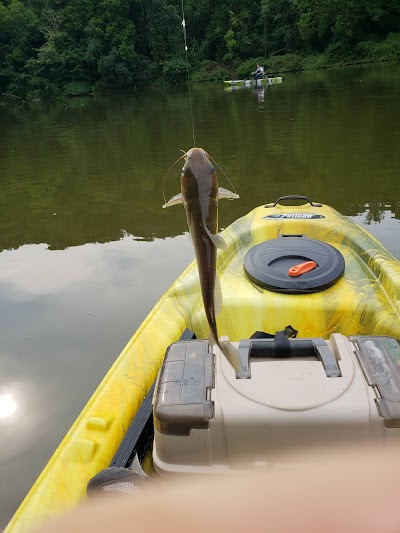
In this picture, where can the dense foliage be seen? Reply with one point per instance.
(54, 47)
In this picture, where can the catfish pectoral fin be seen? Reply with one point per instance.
(224, 193)
(175, 200)
(216, 239)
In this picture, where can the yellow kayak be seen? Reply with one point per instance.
(358, 293)
(234, 82)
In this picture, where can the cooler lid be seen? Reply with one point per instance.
(267, 264)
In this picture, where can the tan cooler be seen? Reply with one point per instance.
(291, 393)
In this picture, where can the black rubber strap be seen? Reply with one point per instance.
(261, 335)
(282, 344)
(132, 442)
(289, 331)
(129, 442)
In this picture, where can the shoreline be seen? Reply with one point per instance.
(303, 64)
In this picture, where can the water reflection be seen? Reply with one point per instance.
(65, 315)
(83, 171)
(260, 94)
(386, 229)
(8, 405)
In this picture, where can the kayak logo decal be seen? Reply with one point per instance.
(294, 215)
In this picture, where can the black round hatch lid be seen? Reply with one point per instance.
(268, 263)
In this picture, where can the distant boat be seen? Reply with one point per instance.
(270, 80)
(234, 82)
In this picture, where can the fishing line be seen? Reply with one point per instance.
(187, 70)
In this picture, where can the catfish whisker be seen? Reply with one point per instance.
(223, 172)
(166, 175)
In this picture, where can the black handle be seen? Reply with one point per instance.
(271, 348)
(294, 197)
(280, 347)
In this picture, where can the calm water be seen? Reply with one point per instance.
(86, 250)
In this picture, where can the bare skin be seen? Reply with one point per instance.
(342, 489)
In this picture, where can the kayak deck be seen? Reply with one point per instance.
(366, 300)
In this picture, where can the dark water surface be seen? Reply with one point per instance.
(86, 250)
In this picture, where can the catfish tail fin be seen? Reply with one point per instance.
(232, 354)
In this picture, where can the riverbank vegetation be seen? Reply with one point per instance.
(51, 48)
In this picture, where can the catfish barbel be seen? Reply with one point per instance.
(200, 195)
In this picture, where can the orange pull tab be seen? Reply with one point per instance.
(302, 268)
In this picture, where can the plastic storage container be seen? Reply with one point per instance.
(290, 394)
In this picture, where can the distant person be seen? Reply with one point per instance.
(259, 73)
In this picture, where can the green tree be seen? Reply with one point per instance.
(345, 21)
(163, 30)
(280, 26)
(85, 41)
(19, 35)
(50, 47)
